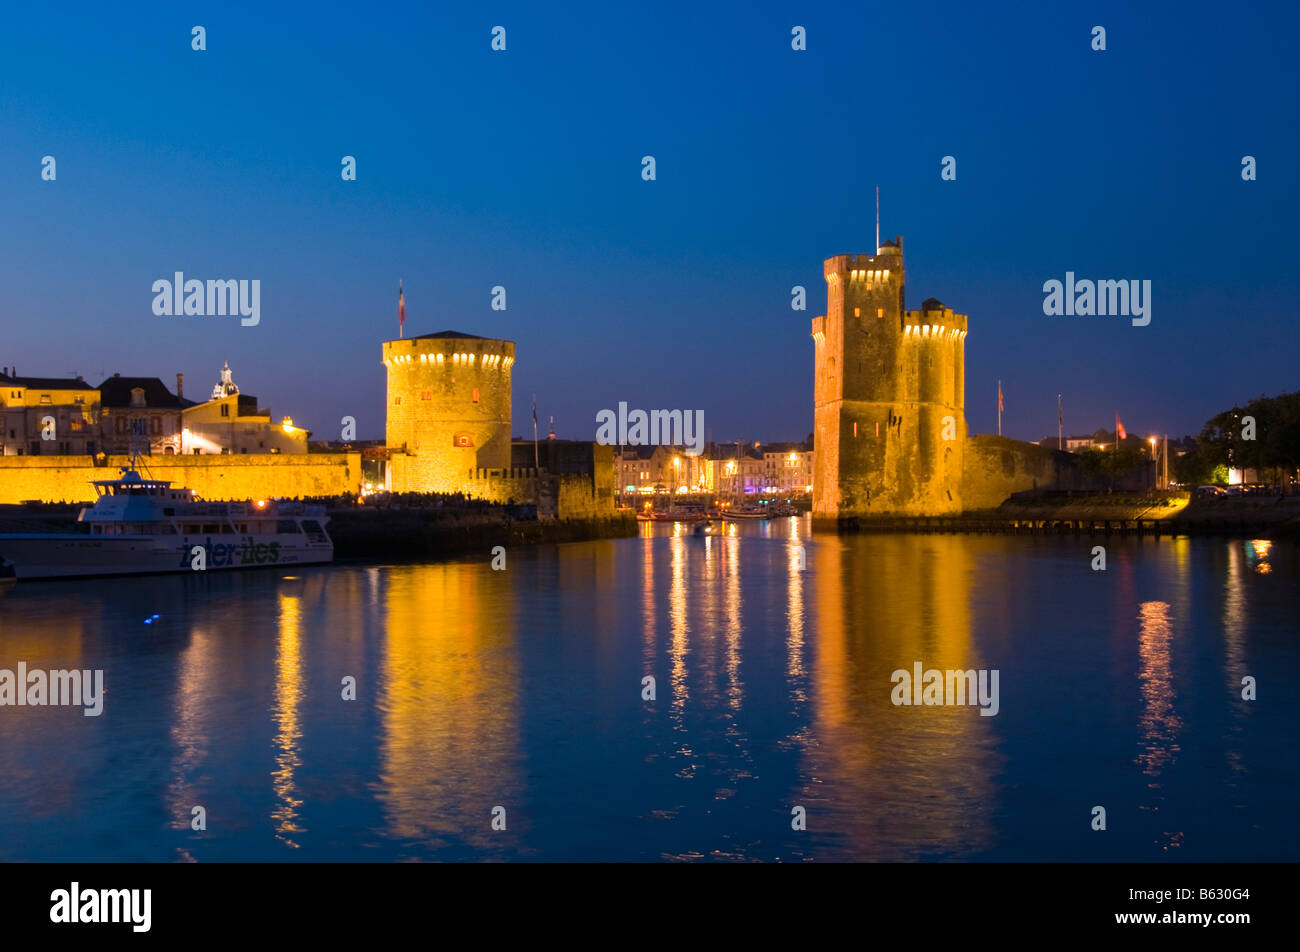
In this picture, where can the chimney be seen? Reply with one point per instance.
(180, 386)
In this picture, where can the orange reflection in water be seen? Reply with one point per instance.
(1159, 722)
(448, 702)
(883, 602)
(285, 714)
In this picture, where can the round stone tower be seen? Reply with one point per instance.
(448, 409)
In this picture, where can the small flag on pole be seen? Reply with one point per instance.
(1000, 406)
(401, 309)
(1120, 433)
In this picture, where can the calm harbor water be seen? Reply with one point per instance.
(772, 652)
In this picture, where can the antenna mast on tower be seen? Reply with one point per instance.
(877, 219)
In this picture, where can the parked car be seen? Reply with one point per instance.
(1210, 491)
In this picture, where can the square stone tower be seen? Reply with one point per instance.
(889, 399)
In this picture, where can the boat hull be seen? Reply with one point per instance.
(73, 555)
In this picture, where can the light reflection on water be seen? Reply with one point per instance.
(772, 653)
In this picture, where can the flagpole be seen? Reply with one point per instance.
(999, 408)
(536, 458)
(1059, 423)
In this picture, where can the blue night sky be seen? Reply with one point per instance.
(523, 169)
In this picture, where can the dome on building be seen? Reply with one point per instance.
(225, 387)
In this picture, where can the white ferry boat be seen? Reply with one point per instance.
(139, 526)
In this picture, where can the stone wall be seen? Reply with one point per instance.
(997, 466)
(241, 476)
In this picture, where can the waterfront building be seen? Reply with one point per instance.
(139, 414)
(739, 469)
(231, 422)
(48, 416)
(788, 467)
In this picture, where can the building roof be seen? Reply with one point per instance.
(116, 392)
(456, 334)
(46, 383)
(786, 448)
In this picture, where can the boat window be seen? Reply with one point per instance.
(227, 529)
(314, 532)
(211, 528)
(286, 525)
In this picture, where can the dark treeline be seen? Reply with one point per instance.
(1264, 436)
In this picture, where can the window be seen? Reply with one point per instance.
(397, 401)
(426, 394)
(225, 409)
(45, 400)
(119, 425)
(857, 312)
(476, 394)
(464, 439)
(880, 312)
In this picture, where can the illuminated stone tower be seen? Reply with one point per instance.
(448, 409)
(888, 395)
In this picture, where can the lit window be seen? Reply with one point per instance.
(476, 394)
